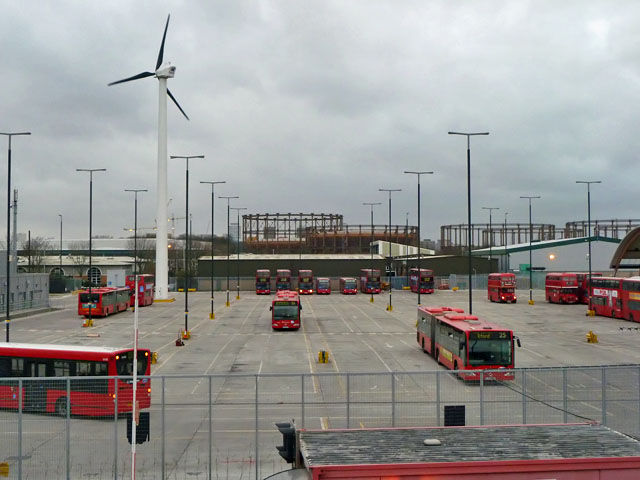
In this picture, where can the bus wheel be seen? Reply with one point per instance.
(61, 407)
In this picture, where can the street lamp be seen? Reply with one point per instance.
(212, 315)
(419, 237)
(469, 234)
(371, 204)
(491, 209)
(237, 209)
(228, 242)
(187, 273)
(89, 272)
(530, 240)
(390, 190)
(8, 290)
(506, 240)
(60, 272)
(588, 184)
(135, 229)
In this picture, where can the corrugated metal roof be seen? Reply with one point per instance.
(464, 444)
(524, 247)
(294, 256)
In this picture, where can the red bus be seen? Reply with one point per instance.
(631, 299)
(583, 288)
(348, 285)
(104, 301)
(305, 282)
(606, 296)
(369, 280)
(263, 282)
(285, 310)
(501, 287)
(465, 343)
(323, 285)
(146, 283)
(283, 279)
(561, 287)
(425, 280)
(87, 396)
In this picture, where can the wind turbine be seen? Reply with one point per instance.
(162, 73)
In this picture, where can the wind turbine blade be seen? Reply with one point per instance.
(177, 104)
(161, 52)
(135, 77)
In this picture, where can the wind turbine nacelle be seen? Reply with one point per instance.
(166, 71)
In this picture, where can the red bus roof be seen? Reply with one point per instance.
(469, 323)
(425, 270)
(283, 272)
(282, 295)
(348, 278)
(69, 352)
(440, 310)
(501, 275)
(305, 272)
(263, 271)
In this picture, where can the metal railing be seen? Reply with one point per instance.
(222, 426)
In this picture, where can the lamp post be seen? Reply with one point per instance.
(228, 242)
(7, 320)
(135, 230)
(491, 209)
(89, 272)
(506, 240)
(469, 234)
(588, 184)
(60, 272)
(419, 237)
(237, 209)
(390, 190)
(187, 273)
(530, 261)
(371, 204)
(212, 315)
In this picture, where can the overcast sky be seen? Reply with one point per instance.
(312, 106)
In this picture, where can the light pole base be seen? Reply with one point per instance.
(227, 304)
(186, 334)
(212, 316)
(531, 302)
(389, 308)
(238, 297)
(591, 313)
(371, 299)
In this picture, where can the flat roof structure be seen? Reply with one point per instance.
(568, 451)
(524, 247)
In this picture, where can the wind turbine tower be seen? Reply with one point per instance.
(162, 73)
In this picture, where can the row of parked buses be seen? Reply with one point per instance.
(105, 301)
(466, 343)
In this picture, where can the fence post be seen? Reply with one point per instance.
(302, 397)
(115, 430)
(438, 398)
(565, 400)
(524, 396)
(257, 448)
(210, 429)
(162, 447)
(604, 396)
(481, 398)
(20, 393)
(348, 400)
(393, 400)
(68, 428)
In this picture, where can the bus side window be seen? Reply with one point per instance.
(5, 367)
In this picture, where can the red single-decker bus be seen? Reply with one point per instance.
(370, 280)
(91, 389)
(263, 282)
(466, 344)
(501, 287)
(146, 284)
(104, 301)
(323, 286)
(283, 279)
(424, 280)
(561, 287)
(348, 285)
(305, 282)
(285, 310)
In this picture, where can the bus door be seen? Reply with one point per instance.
(434, 321)
(35, 391)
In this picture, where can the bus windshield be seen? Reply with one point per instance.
(350, 284)
(373, 284)
(285, 312)
(124, 364)
(323, 283)
(489, 348)
(84, 297)
(260, 284)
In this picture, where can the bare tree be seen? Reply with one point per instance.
(36, 250)
(79, 252)
(146, 253)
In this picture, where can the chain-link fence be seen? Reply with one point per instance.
(222, 426)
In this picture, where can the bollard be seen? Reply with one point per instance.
(323, 356)
(154, 358)
(592, 337)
